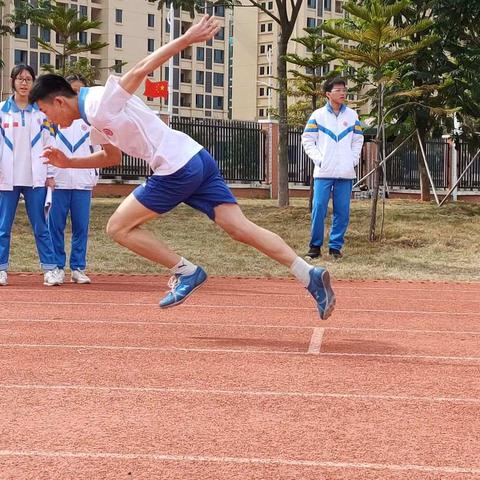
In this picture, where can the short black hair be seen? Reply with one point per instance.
(328, 85)
(48, 86)
(76, 77)
(17, 70)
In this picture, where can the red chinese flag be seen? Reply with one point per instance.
(156, 89)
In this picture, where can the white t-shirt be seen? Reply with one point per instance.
(122, 119)
(22, 152)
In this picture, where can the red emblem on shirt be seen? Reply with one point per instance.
(84, 127)
(345, 124)
(107, 132)
(15, 124)
(6, 125)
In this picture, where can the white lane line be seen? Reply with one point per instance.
(83, 348)
(159, 457)
(316, 341)
(252, 393)
(257, 293)
(243, 307)
(155, 323)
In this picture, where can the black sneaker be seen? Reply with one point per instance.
(335, 253)
(314, 252)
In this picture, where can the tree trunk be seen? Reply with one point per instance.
(283, 196)
(372, 236)
(424, 181)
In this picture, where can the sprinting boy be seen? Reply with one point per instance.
(183, 172)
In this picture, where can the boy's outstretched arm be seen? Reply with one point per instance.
(107, 157)
(200, 32)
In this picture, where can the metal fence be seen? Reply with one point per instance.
(300, 167)
(402, 166)
(239, 147)
(471, 180)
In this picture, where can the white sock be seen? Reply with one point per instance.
(183, 267)
(301, 270)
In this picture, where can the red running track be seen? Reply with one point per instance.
(243, 381)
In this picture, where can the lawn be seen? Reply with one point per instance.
(421, 242)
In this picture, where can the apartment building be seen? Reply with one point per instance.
(133, 28)
(254, 74)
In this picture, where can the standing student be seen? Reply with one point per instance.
(25, 133)
(72, 195)
(333, 139)
(183, 172)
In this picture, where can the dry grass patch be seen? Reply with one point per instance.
(421, 242)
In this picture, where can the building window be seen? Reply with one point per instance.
(338, 6)
(200, 54)
(200, 77)
(311, 22)
(327, 5)
(266, 27)
(264, 70)
(83, 11)
(261, 92)
(118, 41)
(267, 5)
(82, 38)
(199, 100)
(44, 59)
(118, 66)
(150, 44)
(45, 34)
(219, 11)
(21, 31)
(220, 35)
(312, 3)
(167, 27)
(218, 79)
(218, 56)
(151, 20)
(217, 103)
(149, 99)
(20, 57)
(118, 15)
(261, 112)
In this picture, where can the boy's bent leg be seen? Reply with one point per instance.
(124, 227)
(316, 279)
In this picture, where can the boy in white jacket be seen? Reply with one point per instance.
(333, 139)
(73, 194)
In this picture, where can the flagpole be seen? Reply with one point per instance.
(170, 62)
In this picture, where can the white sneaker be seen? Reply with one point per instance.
(61, 274)
(53, 277)
(79, 276)
(3, 278)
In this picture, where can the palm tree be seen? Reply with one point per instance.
(67, 25)
(377, 48)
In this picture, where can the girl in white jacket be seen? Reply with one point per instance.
(73, 193)
(25, 132)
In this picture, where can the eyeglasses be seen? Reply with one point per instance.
(28, 81)
(340, 90)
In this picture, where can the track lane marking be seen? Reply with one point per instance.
(316, 341)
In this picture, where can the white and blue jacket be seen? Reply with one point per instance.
(75, 141)
(41, 136)
(333, 142)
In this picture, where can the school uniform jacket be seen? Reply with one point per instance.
(333, 142)
(74, 141)
(41, 136)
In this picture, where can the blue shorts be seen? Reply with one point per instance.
(199, 184)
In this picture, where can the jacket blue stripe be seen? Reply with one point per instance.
(65, 141)
(81, 142)
(328, 132)
(37, 138)
(345, 132)
(7, 140)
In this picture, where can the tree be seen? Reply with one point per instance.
(5, 29)
(378, 46)
(65, 22)
(285, 15)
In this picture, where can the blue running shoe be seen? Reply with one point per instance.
(181, 286)
(322, 291)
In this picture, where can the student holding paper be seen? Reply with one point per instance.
(25, 133)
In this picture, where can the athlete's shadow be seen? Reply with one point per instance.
(361, 346)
